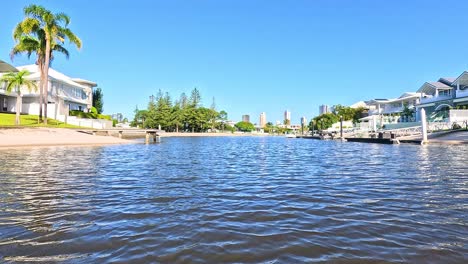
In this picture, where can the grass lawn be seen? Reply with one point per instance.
(8, 120)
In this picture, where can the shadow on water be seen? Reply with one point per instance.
(234, 199)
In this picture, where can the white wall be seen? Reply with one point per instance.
(85, 122)
(458, 115)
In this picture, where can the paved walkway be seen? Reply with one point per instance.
(458, 137)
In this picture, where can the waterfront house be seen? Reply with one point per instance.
(385, 112)
(439, 98)
(64, 94)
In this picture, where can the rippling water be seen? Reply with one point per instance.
(235, 200)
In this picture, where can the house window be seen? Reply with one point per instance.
(445, 93)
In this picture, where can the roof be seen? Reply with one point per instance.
(409, 94)
(447, 80)
(358, 104)
(5, 67)
(430, 87)
(462, 79)
(35, 75)
(83, 81)
(404, 96)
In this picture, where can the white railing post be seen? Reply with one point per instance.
(423, 126)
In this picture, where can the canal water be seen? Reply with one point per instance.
(235, 200)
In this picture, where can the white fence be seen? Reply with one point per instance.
(85, 122)
(457, 115)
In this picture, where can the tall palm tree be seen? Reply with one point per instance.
(35, 44)
(49, 31)
(15, 80)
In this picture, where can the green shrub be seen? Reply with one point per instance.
(106, 117)
(91, 115)
(94, 110)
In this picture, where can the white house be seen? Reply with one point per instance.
(444, 98)
(64, 94)
(389, 111)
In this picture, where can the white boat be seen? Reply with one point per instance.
(290, 136)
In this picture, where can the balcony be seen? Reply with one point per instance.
(426, 100)
(391, 110)
(461, 93)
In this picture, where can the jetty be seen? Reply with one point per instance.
(154, 134)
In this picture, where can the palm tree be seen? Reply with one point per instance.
(43, 32)
(14, 82)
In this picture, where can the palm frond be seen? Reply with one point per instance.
(62, 17)
(27, 44)
(36, 11)
(61, 49)
(17, 79)
(72, 37)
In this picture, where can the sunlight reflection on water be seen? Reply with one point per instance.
(218, 200)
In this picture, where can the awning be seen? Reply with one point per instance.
(5, 67)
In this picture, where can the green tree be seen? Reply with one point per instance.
(269, 128)
(183, 101)
(98, 100)
(222, 117)
(195, 98)
(406, 111)
(177, 116)
(51, 30)
(139, 118)
(245, 126)
(359, 113)
(346, 112)
(324, 121)
(14, 82)
(150, 121)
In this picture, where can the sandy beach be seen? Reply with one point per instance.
(34, 137)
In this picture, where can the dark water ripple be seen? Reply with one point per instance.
(235, 200)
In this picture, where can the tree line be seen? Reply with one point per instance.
(184, 114)
(325, 121)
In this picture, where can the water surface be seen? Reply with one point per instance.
(235, 200)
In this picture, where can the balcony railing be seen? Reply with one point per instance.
(462, 93)
(391, 110)
(426, 100)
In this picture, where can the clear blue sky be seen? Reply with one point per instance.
(256, 56)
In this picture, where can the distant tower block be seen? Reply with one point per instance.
(324, 109)
(263, 119)
(287, 116)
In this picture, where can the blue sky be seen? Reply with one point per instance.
(256, 56)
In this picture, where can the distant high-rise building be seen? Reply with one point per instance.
(303, 121)
(246, 118)
(263, 119)
(323, 109)
(287, 117)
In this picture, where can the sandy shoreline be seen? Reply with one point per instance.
(48, 137)
(42, 137)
